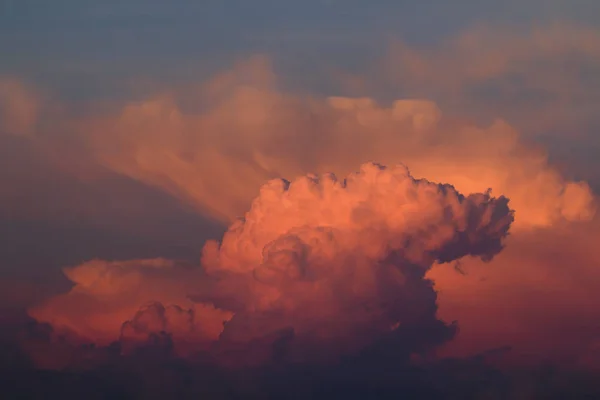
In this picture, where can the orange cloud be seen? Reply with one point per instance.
(538, 296)
(216, 144)
(541, 78)
(19, 108)
(107, 294)
(216, 155)
(339, 263)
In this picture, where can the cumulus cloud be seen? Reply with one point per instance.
(328, 265)
(343, 261)
(214, 145)
(108, 293)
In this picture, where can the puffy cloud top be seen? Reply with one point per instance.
(344, 261)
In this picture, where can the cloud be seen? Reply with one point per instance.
(19, 108)
(335, 264)
(214, 145)
(337, 261)
(538, 297)
(58, 208)
(106, 294)
(541, 78)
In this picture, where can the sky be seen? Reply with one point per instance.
(244, 191)
(81, 47)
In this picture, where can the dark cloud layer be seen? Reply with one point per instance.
(154, 372)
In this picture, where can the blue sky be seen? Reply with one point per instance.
(87, 48)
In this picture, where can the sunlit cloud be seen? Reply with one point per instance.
(317, 262)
